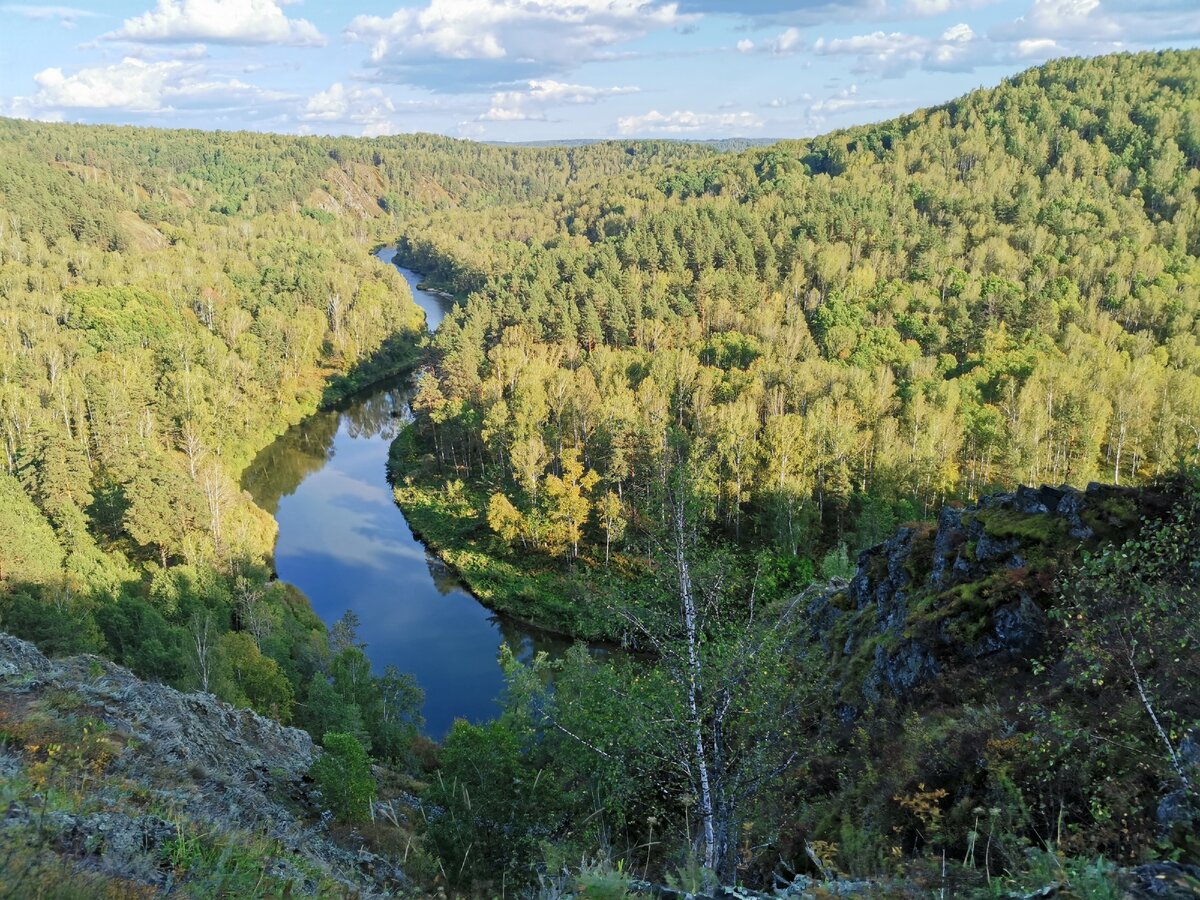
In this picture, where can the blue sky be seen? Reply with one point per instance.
(519, 70)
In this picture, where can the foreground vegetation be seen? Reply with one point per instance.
(681, 386)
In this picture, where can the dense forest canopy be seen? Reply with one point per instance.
(680, 384)
(852, 329)
(169, 302)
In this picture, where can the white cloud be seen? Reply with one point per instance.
(135, 85)
(786, 42)
(1039, 48)
(687, 122)
(891, 54)
(940, 7)
(848, 99)
(486, 38)
(517, 106)
(66, 16)
(131, 84)
(1096, 25)
(219, 21)
(368, 108)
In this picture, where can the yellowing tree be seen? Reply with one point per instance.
(612, 520)
(505, 519)
(568, 501)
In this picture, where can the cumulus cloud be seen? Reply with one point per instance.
(1100, 24)
(135, 85)
(485, 41)
(892, 54)
(66, 16)
(785, 43)
(531, 104)
(687, 122)
(218, 21)
(940, 7)
(367, 108)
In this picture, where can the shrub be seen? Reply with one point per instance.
(343, 772)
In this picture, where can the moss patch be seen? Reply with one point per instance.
(1006, 523)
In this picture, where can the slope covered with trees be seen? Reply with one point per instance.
(680, 387)
(849, 331)
(169, 302)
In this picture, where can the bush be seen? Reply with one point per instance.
(837, 563)
(343, 772)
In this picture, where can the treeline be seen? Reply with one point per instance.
(169, 302)
(851, 330)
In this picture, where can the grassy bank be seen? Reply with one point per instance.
(581, 598)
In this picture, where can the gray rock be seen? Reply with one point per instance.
(1176, 813)
(1069, 507)
(1018, 629)
(20, 660)
(1167, 880)
(946, 545)
(226, 770)
(881, 592)
(988, 548)
(118, 844)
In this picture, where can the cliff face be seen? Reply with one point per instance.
(973, 587)
(154, 788)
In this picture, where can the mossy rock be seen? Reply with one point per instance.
(1040, 527)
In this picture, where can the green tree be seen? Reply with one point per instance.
(569, 501)
(245, 677)
(343, 773)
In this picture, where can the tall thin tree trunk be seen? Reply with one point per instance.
(690, 618)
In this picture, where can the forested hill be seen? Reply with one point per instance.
(848, 330)
(169, 301)
(681, 385)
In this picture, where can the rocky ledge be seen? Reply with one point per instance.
(974, 585)
(161, 766)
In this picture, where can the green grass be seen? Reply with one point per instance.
(1006, 523)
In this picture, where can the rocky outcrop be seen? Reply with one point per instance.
(217, 768)
(975, 585)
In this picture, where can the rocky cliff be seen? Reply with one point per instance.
(973, 587)
(152, 790)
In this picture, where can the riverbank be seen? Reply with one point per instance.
(580, 599)
(327, 387)
(344, 546)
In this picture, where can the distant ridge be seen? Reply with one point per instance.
(721, 145)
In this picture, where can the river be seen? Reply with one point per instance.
(345, 544)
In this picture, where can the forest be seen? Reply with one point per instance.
(686, 396)
(851, 331)
(169, 303)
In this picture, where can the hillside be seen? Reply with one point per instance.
(956, 653)
(171, 301)
(845, 332)
(119, 788)
(758, 419)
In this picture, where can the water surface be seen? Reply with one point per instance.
(345, 544)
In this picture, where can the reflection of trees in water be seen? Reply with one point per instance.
(306, 447)
(527, 641)
(443, 579)
(297, 453)
(379, 415)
